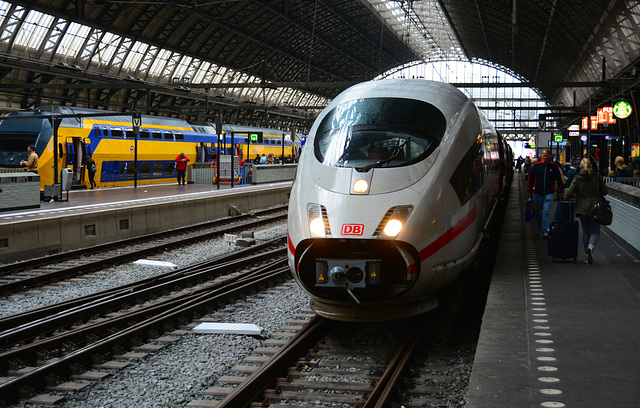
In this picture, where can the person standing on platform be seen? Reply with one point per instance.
(587, 187)
(181, 167)
(91, 168)
(569, 173)
(622, 170)
(541, 187)
(527, 166)
(32, 160)
(263, 159)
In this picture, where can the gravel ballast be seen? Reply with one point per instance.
(181, 372)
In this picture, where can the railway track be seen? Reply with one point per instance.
(346, 365)
(34, 273)
(68, 339)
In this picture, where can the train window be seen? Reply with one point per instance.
(145, 134)
(145, 170)
(117, 132)
(469, 175)
(168, 170)
(157, 135)
(272, 141)
(156, 170)
(130, 134)
(131, 171)
(122, 171)
(278, 141)
(105, 131)
(379, 132)
(179, 135)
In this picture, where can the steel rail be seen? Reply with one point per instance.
(36, 380)
(34, 281)
(381, 395)
(255, 384)
(18, 319)
(45, 325)
(70, 340)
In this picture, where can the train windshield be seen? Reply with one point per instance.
(379, 132)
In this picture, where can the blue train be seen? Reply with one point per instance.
(110, 139)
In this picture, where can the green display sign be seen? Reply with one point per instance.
(557, 138)
(253, 137)
(622, 109)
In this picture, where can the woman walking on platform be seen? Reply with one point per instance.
(587, 186)
(91, 167)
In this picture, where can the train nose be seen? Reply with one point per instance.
(363, 270)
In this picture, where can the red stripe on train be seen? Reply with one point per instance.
(450, 235)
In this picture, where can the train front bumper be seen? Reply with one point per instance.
(356, 271)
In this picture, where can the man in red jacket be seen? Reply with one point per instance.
(181, 167)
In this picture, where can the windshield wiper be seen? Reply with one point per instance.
(396, 152)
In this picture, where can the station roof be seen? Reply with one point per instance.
(176, 57)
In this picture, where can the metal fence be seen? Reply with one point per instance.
(631, 181)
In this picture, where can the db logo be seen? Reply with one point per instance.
(352, 229)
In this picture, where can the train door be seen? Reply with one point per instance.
(76, 151)
(239, 152)
(202, 151)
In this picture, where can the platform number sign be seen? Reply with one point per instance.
(136, 121)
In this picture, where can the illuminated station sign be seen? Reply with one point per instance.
(622, 109)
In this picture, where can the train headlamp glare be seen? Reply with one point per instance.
(360, 186)
(392, 228)
(318, 222)
(316, 227)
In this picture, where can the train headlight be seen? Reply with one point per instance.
(318, 221)
(392, 228)
(316, 227)
(360, 186)
(393, 221)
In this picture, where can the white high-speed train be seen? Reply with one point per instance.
(394, 188)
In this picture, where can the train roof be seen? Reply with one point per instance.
(87, 113)
(245, 129)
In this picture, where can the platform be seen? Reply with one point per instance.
(558, 334)
(95, 216)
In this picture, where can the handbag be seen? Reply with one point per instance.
(530, 211)
(602, 213)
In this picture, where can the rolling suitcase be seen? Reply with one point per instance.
(565, 211)
(563, 234)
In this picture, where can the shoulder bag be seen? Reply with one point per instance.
(530, 211)
(602, 213)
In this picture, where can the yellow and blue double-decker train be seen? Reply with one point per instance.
(250, 142)
(109, 138)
